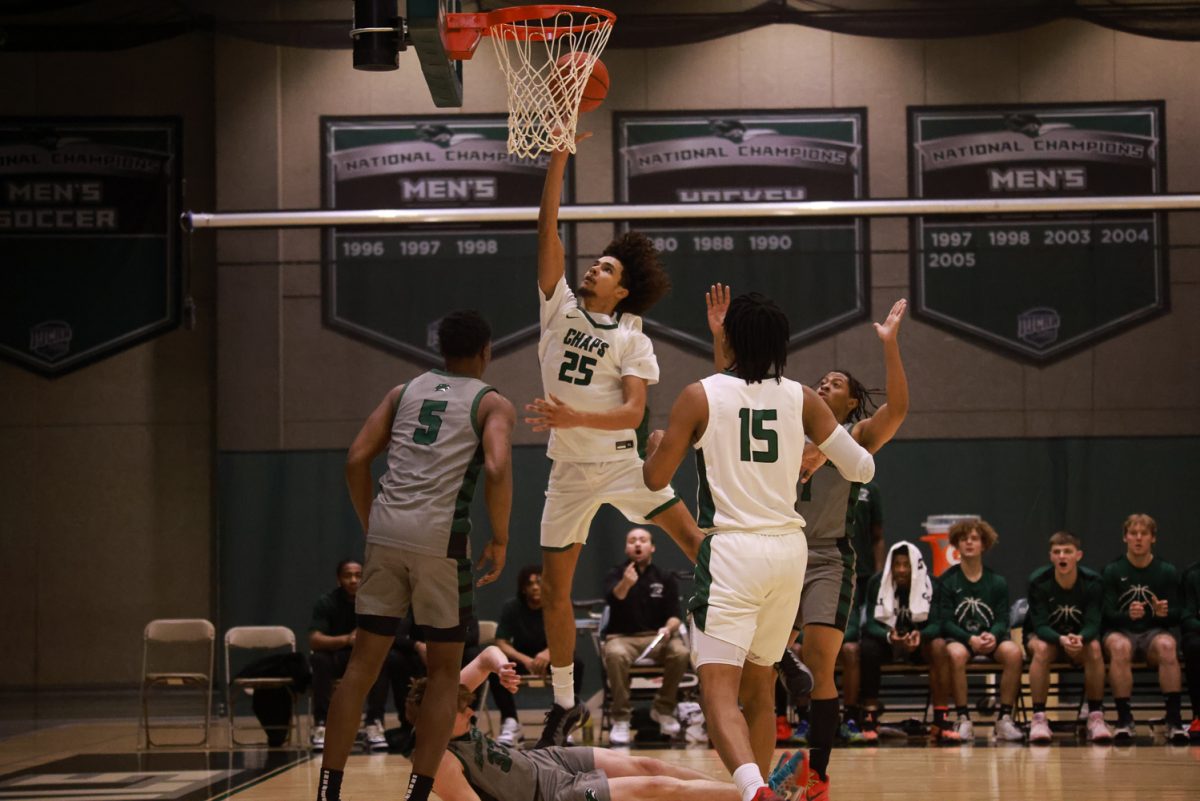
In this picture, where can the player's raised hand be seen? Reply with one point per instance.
(552, 413)
(494, 553)
(716, 299)
(889, 328)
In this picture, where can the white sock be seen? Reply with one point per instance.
(748, 779)
(563, 681)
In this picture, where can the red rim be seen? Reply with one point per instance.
(508, 17)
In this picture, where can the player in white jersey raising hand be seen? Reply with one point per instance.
(748, 426)
(596, 366)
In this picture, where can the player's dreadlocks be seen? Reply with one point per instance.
(859, 392)
(757, 330)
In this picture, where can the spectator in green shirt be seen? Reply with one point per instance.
(1141, 605)
(972, 615)
(1190, 625)
(1063, 625)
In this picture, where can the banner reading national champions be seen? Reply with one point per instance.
(1039, 286)
(390, 286)
(89, 237)
(816, 271)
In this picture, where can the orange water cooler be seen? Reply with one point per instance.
(937, 534)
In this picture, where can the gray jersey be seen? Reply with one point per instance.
(433, 462)
(499, 773)
(825, 503)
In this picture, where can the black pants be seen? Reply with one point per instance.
(1191, 666)
(504, 699)
(873, 654)
(330, 665)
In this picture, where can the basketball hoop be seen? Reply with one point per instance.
(546, 53)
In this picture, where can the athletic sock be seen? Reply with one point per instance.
(419, 788)
(563, 680)
(1174, 714)
(329, 788)
(1039, 708)
(823, 725)
(801, 711)
(1096, 705)
(748, 779)
(781, 699)
(963, 711)
(1005, 709)
(1124, 713)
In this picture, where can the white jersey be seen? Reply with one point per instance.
(748, 460)
(583, 358)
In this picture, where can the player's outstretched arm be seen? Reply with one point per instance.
(852, 460)
(371, 441)
(553, 412)
(497, 417)
(878, 429)
(665, 450)
(490, 660)
(716, 302)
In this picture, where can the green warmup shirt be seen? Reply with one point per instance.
(866, 513)
(1190, 617)
(1124, 584)
(904, 621)
(967, 608)
(1055, 610)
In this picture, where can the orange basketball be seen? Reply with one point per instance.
(597, 83)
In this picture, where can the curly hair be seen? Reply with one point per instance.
(962, 528)
(642, 273)
(523, 576)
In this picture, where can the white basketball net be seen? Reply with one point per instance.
(543, 95)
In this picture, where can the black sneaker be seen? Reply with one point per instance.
(797, 678)
(561, 722)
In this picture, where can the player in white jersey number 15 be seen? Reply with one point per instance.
(596, 364)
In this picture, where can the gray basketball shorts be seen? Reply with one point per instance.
(828, 595)
(439, 589)
(1140, 640)
(569, 774)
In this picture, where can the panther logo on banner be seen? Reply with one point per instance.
(89, 238)
(374, 276)
(1038, 286)
(815, 270)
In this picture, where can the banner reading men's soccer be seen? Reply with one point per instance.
(390, 286)
(89, 237)
(817, 271)
(1040, 286)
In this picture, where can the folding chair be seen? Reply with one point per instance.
(257, 638)
(177, 654)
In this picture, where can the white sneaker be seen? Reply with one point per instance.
(1124, 732)
(619, 733)
(1177, 735)
(667, 724)
(510, 732)
(1039, 729)
(376, 741)
(1097, 729)
(1008, 731)
(965, 730)
(317, 738)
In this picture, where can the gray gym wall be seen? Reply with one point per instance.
(110, 477)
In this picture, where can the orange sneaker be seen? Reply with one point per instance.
(817, 789)
(767, 794)
(783, 730)
(791, 774)
(946, 735)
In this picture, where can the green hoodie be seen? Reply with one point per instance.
(1055, 611)
(1124, 584)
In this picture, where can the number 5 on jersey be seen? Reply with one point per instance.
(576, 363)
(753, 425)
(432, 423)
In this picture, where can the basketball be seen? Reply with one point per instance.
(597, 83)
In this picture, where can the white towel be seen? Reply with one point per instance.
(920, 593)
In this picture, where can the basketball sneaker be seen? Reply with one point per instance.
(560, 722)
(965, 730)
(317, 738)
(1124, 733)
(817, 789)
(765, 793)
(376, 741)
(944, 735)
(1007, 731)
(619, 733)
(800, 733)
(850, 734)
(1039, 730)
(1177, 734)
(790, 774)
(1097, 729)
(510, 732)
(870, 727)
(797, 678)
(668, 726)
(1194, 730)
(783, 730)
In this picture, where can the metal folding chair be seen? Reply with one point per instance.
(177, 654)
(257, 638)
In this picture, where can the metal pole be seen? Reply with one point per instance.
(897, 207)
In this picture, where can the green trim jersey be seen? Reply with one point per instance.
(1124, 584)
(583, 358)
(866, 512)
(433, 463)
(827, 503)
(1055, 610)
(1189, 618)
(749, 456)
(966, 608)
(494, 771)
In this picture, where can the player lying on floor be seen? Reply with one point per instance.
(476, 767)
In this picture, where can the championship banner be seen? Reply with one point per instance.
(89, 237)
(390, 286)
(1040, 286)
(816, 271)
